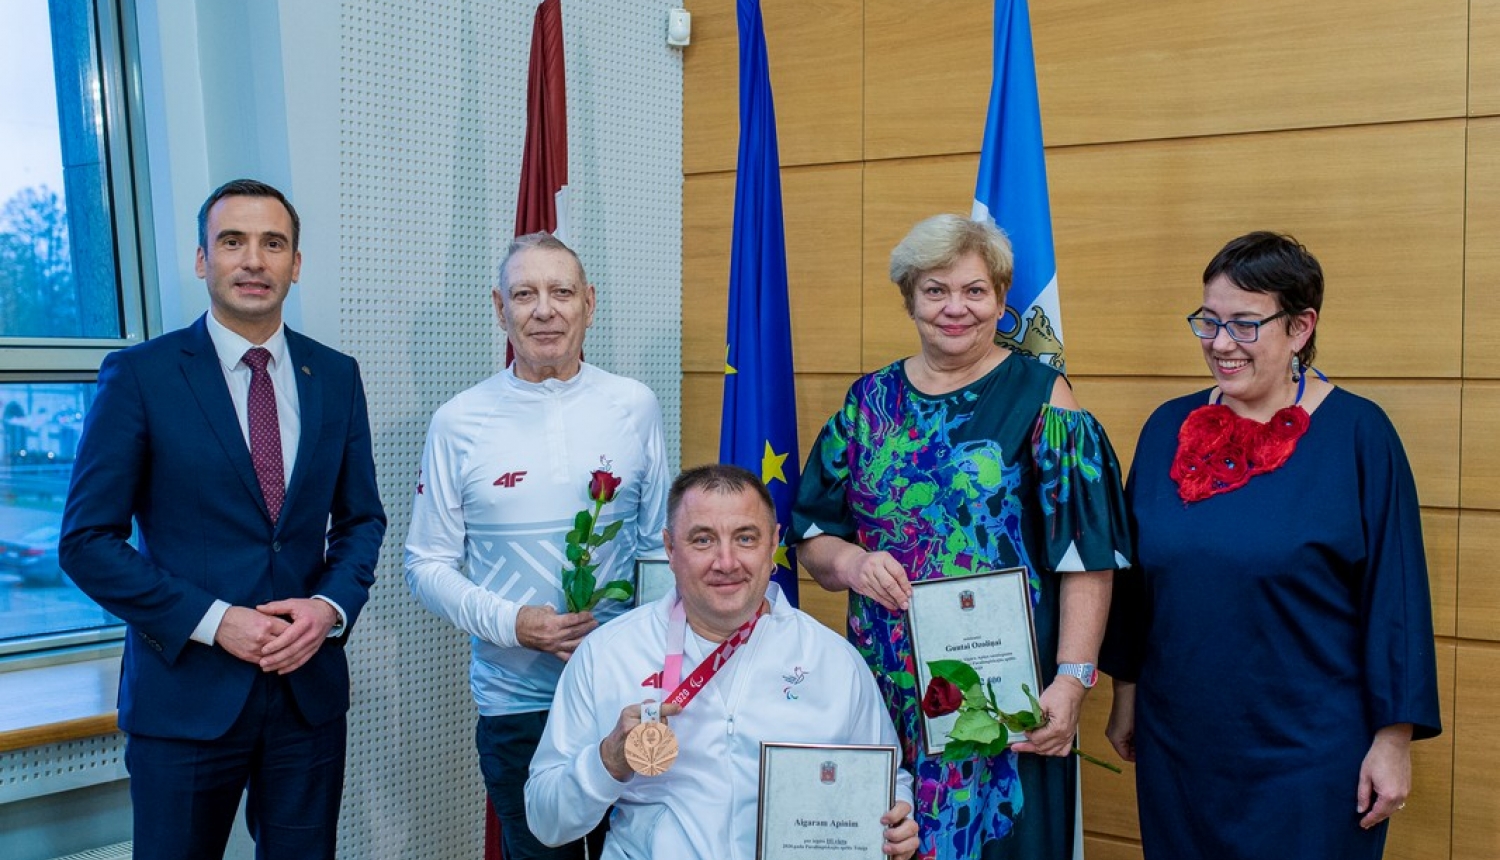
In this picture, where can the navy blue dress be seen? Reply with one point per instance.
(1272, 630)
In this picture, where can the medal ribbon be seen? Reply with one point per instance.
(684, 692)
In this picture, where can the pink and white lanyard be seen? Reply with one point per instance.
(676, 635)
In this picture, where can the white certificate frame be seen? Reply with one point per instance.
(653, 579)
(946, 623)
(824, 800)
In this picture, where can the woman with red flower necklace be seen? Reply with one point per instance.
(1272, 649)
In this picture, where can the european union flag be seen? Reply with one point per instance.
(759, 428)
(1012, 189)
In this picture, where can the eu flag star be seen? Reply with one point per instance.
(771, 466)
(728, 368)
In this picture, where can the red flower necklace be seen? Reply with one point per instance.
(1219, 451)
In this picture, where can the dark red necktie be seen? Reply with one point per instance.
(265, 432)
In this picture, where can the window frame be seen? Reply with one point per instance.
(117, 56)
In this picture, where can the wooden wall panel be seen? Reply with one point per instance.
(1440, 537)
(1424, 830)
(1481, 454)
(819, 395)
(1135, 224)
(1478, 584)
(1484, 57)
(814, 48)
(1476, 756)
(1426, 415)
(1481, 332)
(823, 247)
(1109, 806)
(898, 194)
(1111, 71)
(702, 407)
(927, 77)
(1122, 404)
(829, 607)
(1100, 848)
(707, 225)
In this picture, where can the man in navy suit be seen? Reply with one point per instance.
(241, 450)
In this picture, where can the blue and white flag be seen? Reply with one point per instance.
(759, 427)
(1012, 190)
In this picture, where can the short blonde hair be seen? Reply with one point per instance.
(938, 242)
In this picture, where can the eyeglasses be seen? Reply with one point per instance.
(1240, 331)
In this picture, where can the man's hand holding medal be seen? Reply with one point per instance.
(640, 743)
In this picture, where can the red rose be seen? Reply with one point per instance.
(602, 486)
(942, 698)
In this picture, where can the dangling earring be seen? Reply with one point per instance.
(1296, 368)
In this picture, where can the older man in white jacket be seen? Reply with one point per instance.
(790, 679)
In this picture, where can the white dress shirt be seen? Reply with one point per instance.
(231, 349)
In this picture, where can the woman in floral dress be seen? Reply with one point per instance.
(963, 458)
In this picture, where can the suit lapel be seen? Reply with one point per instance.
(200, 366)
(309, 407)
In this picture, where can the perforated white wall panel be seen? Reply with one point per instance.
(432, 124)
(36, 771)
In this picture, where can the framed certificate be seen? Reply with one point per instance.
(653, 578)
(983, 619)
(820, 801)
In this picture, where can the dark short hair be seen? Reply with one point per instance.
(541, 240)
(246, 188)
(716, 478)
(1274, 263)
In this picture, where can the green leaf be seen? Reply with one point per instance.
(574, 553)
(961, 674)
(996, 748)
(1020, 721)
(570, 597)
(975, 726)
(580, 590)
(620, 590)
(974, 699)
(960, 750)
(903, 680)
(1036, 706)
(612, 529)
(574, 538)
(583, 523)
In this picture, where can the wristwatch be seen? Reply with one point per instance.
(1086, 673)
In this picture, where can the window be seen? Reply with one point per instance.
(71, 284)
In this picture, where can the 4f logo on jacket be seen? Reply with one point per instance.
(510, 479)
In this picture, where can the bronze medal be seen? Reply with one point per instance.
(650, 748)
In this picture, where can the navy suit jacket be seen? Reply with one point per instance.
(162, 445)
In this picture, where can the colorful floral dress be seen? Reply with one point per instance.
(988, 476)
